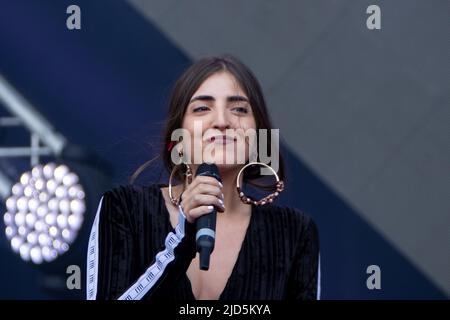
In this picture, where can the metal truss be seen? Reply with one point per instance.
(44, 139)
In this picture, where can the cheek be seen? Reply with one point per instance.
(186, 123)
(249, 123)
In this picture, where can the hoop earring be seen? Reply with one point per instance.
(188, 175)
(267, 199)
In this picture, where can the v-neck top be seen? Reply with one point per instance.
(135, 253)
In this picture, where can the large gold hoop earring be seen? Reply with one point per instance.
(188, 180)
(268, 199)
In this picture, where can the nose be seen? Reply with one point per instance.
(221, 119)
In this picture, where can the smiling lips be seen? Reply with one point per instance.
(222, 139)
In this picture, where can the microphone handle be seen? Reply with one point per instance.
(206, 224)
(205, 237)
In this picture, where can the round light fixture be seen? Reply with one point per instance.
(44, 212)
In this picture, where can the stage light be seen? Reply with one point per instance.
(44, 212)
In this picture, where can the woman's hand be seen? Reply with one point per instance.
(200, 196)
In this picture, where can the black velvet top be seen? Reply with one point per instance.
(278, 258)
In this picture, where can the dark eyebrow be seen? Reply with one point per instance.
(236, 98)
(202, 98)
(211, 98)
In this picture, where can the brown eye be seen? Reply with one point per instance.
(200, 109)
(240, 109)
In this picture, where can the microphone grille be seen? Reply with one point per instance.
(208, 169)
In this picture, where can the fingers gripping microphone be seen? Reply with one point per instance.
(206, 224)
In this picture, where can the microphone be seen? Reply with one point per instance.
(206, 224)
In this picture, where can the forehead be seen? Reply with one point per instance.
(220, 84)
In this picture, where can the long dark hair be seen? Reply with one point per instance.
(190, 81)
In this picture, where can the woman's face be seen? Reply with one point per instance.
(218, 107)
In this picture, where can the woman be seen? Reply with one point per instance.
(142, 243)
